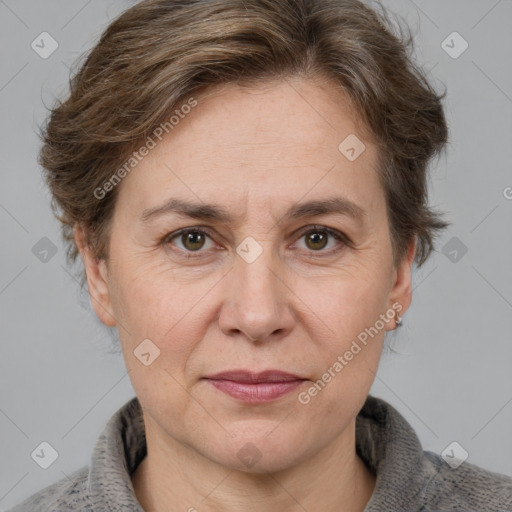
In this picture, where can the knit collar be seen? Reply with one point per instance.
(384, 440)
(391, 449)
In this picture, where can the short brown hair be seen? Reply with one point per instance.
(158, 53)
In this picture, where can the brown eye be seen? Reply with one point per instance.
(193, 240)
(189, 241)
(316, 240)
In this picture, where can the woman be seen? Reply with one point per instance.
(206, 149)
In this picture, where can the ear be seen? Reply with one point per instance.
(97, 279)
(401, 292)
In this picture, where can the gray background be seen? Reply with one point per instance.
(451, 373)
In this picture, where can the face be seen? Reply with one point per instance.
(270, 286)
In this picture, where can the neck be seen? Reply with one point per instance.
(176, 477)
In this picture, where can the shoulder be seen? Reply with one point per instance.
(466, 488)
(411, 478)
(64, 495)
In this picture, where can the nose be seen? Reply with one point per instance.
(257, 302)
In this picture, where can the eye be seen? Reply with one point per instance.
(192, 240)
(317, 238)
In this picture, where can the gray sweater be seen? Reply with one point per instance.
(409, 479)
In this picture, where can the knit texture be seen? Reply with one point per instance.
(408, 479)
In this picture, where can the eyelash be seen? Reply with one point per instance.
(340, 237)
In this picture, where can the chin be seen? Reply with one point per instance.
(257, 451)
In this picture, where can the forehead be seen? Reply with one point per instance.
(288, 113)
(275, 141)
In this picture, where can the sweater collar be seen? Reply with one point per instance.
(391, 449)
(118, 451)
(384, 440)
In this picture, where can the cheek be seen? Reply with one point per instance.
(152, 304)
(348, 358)
(348, 354)
(150, 300)
(346, 303)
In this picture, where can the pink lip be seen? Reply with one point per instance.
(255, 387)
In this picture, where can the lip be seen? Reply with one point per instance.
(252, 377)
(253, 387)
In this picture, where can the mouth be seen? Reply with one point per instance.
(250, 387)
(249, 377)
(253, 387)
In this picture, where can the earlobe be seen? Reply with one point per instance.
(401, 293)
(97, 279)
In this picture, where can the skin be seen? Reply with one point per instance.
(297, 307)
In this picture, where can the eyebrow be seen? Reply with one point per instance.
(215, 212)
